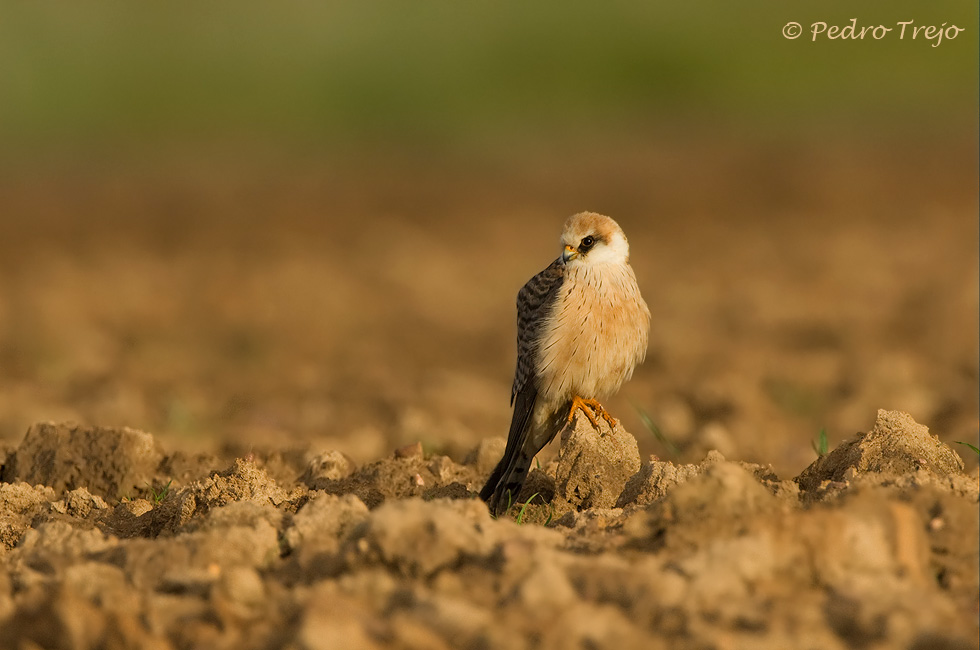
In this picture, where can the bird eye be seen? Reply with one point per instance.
(587, 243)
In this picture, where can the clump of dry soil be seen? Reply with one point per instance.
(107, 542)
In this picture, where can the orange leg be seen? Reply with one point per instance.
(592, 410)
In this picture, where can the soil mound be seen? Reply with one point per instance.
(107, 461)
(400, 552)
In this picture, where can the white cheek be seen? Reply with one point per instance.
(613, 253)
(601, 255)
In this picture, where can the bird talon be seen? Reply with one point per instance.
(593, 411)
(613, 422)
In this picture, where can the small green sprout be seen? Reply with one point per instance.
(655, 430)
(157, 496)
(973, 447)
(551, 514)
(520, 514)
(551, 510)
(820, 445)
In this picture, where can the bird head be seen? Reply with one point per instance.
(590, 238)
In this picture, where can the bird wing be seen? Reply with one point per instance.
(534, 303)
(534, 306)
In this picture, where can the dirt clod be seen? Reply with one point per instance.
(79, 503)
(419, 538)
(594, 464)
(656, 478)
(108, 462)
(328, 466)
(319, 525)
(896, 446)
(19, 504)
(692, 554)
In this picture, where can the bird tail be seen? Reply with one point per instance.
(508, 476)
(528, 436)
(508, 484)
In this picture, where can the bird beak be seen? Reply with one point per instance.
(569, 253)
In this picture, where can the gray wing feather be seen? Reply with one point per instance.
(534, 302)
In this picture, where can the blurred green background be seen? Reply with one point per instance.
(311, 74)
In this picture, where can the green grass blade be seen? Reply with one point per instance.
(655, 430)
(973, 447)
(520, 515)
(821, 445)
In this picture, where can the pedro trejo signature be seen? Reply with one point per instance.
(904, 30)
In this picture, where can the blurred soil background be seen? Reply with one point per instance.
(246, 226)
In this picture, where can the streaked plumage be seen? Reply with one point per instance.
(582, 327)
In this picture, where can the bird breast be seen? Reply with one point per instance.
(595, 336)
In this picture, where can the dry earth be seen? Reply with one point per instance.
(281, 323)
(367, 302)
(107, 541)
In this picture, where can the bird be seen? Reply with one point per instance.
(582, 328)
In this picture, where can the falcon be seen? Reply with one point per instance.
(582, 327)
